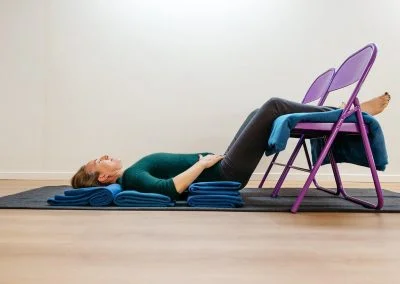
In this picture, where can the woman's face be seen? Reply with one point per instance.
(105, 165)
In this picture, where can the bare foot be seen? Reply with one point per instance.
(376, 105)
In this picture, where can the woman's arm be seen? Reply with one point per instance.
(183, 180)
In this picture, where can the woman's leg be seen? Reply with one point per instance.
(244, 154)
(247, 120)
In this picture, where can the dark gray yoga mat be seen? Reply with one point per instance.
(256, 200)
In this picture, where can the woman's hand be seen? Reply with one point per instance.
(209, 160)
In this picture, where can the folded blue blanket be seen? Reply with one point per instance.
(215, 188)
(215, 201)
(346, 148)
(93, 196)
(133, 198)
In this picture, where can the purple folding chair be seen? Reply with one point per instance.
(318, 90)
(354, 70)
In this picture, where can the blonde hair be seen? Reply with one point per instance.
(84, 179)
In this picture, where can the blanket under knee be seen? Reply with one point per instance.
(346, 148)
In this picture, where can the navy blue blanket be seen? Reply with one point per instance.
(133, 198)
(346, 148)
(220, 194)
(215, 187)
(215, 201)
(92, 196)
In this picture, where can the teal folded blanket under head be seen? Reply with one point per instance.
(89, 196)
(133, 198)
(217, 194)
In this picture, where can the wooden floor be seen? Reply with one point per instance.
(46, 246)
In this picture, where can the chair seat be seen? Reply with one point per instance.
(304, 127)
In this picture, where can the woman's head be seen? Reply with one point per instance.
(101, 171)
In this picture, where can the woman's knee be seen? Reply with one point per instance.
(253, 113)
(274, 103)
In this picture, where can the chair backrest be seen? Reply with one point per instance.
(319, 88)
(354, 69)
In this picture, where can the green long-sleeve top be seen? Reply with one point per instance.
(154, 173)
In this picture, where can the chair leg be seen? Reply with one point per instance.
(370, 158)
(268, 170)
(310, 164)
(314, 171)
(287, 167)
(335, 169)
(338, 180)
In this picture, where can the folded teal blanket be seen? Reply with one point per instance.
(215, 194)
(346, 148)
(133, 198)
(215, 201)
(92, 196)
(215, 188)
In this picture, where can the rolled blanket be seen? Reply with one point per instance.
(215, 201)
(133, 198)
(215, 188)
(93, 196)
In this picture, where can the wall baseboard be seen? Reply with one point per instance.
(255, 177)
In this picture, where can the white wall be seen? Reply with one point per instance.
(85, 77)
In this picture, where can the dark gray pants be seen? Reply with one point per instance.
(248, 145)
